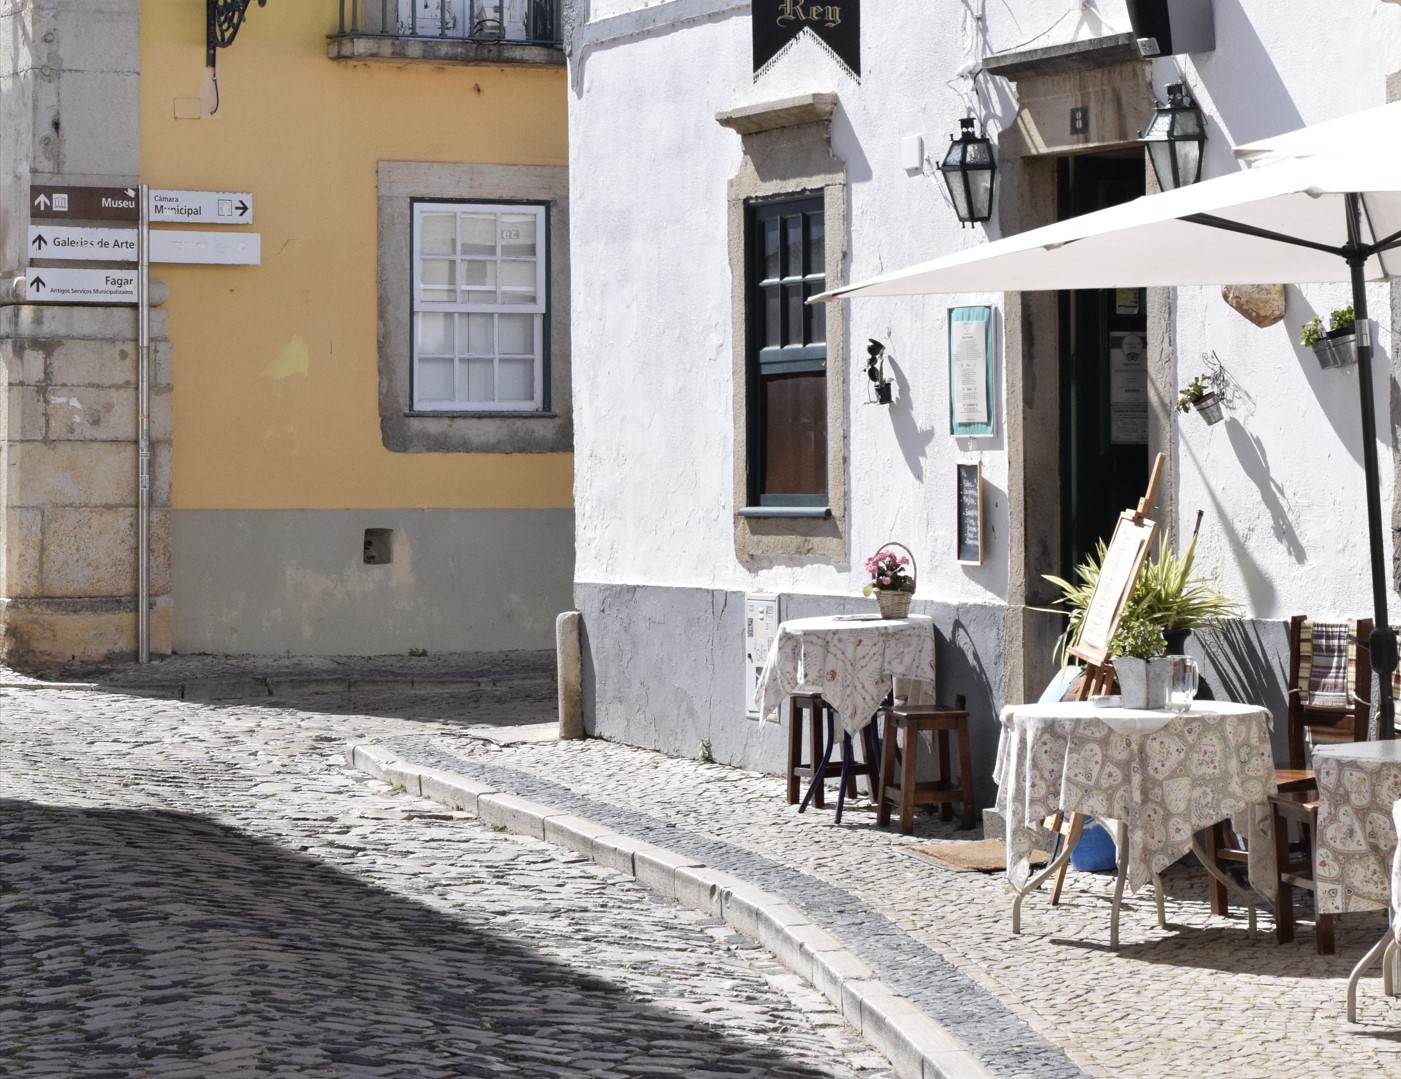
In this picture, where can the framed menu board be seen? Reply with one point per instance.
(970, 372)
(970, 513)
(1128, 547)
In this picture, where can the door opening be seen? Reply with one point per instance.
(1103, 371)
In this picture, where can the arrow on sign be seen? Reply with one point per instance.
(40, 242)
(130, 193)
(37, 284)
(42, 201)
(242, 208)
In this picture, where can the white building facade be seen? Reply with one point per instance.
(728, 440)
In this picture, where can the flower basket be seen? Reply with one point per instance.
(1339, 351)
(1209, 408)
(895, 602)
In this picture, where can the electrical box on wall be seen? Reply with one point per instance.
(1172, 27)
(760, 628)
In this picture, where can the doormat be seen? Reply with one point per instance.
(971, 855)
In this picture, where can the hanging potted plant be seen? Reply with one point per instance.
(1201, 394)
(875, 371)
(1338, 346)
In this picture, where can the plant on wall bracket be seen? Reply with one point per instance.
(875, 371)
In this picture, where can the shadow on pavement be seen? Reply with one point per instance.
(138, 942)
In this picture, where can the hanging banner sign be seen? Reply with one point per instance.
(836, 26)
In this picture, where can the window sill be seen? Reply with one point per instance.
(495, 414)
(785, 511)
(443, 50)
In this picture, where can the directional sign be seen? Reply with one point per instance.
(201, 207)
(86, 245)
(67, 285)
(84, 203)
(208, 248)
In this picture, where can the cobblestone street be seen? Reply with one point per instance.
(208, 890)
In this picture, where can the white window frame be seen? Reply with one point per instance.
(538, 310)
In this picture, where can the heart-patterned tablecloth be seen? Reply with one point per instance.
(1359, 784)
(1165, 778)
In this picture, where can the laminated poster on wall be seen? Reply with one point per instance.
(970, 372)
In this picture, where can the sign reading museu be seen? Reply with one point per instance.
(835, 26)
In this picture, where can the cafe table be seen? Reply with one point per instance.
(1355, 856)
(851, 660)
(1160, 777)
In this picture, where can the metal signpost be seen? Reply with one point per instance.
(122, 284)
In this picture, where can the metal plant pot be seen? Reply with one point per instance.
(1339, 351)
(1209, 408)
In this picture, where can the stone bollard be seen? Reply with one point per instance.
(569, 664)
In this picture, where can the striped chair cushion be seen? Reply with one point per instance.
(1327, 664)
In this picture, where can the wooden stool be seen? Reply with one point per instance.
(914, 721)
(807, 709)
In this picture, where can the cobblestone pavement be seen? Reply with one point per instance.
(198, 889)
(1197, 998)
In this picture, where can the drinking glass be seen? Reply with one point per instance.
(1182, 683)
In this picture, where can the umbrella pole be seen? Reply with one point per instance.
(1383, 640)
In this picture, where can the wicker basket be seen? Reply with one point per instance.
(897, 604)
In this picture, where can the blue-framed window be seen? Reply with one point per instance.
(787, 354)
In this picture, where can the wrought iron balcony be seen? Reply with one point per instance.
(496, 31)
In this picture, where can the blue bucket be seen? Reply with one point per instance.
(1095, 851)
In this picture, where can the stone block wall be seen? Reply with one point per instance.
(68, 484)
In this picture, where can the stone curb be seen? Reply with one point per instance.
(245, 687)
(916, 1046)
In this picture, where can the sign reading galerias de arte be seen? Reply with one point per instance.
(836, 26)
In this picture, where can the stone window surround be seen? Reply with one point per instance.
(786, 148)
(405, 431)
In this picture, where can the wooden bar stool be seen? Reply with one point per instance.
(809, 717)
(914, 721)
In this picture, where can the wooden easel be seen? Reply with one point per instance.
(1128, 547)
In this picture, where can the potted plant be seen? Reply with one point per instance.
(1137, 640)
(1168, 597)
(875, 371)
(891, 581)
(1338, 346)
(1201, 394)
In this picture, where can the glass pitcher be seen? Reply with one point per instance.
(1182, 683)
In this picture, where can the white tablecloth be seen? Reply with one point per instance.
(1359, 784)
(850, 660)
(1164, 776)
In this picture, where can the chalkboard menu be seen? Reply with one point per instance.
(970, 513)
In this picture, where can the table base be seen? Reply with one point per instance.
(819, 771)
(1388, 949)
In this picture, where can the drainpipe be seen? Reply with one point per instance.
(143, 432)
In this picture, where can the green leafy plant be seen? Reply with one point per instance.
(1194, 391)
(1168, 597)
(1137, 636)
(1340, 321)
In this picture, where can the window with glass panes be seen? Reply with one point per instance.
(480, 304)
(787, 355)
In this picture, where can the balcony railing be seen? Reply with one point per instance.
(479, 22)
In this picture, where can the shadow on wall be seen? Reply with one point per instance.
(913, 442)
(1250, 451)
(960, 671)
(1247, 661)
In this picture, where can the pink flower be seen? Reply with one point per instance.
(885, 580)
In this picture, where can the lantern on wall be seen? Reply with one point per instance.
(968, 170)
(1174, 139)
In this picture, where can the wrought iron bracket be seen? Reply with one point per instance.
(222, 19)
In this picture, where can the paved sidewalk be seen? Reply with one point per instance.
(935, 958)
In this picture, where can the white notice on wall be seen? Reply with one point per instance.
(1128, 390)
(760, 628)
(970, 372)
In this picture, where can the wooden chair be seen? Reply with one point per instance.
(1326, 668)
(807, 720)
(913, 721)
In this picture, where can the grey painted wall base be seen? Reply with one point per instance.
(663, 669)
(295, 581)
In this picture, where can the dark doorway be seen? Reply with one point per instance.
(1103, 371)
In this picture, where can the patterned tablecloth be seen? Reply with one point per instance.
(1396, 872)
(1359, 784)
(1165, 776)
(851, 660)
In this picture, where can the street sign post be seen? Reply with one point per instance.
(206, 248)
(82, 244)
(64, 284)
(84, 203)
(201, 207)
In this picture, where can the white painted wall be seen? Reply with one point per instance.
(653, 396)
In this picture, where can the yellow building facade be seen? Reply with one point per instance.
(343, 473)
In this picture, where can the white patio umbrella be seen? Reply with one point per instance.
(1304, 217)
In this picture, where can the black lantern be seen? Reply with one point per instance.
(968, 169)
(1174, 139)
